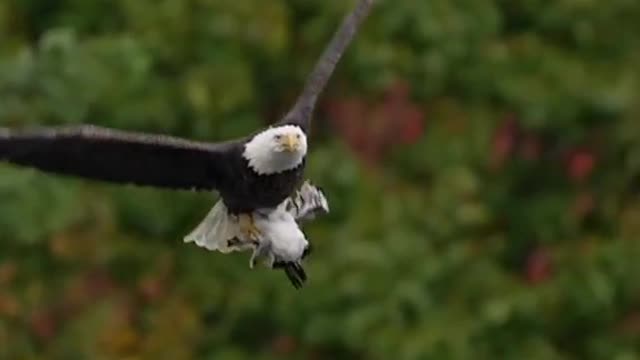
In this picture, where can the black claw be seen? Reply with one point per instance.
(294, 271)
(300, 271)
(292, 277)
(296, 274)
(233, 241)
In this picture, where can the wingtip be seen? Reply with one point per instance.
(302, 111)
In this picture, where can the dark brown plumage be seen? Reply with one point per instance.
(118, 156)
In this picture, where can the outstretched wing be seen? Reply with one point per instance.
(300, 113)
(120, 157)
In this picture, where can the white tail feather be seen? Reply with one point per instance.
(215, 231)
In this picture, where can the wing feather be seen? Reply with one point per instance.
(121, 157)
(301, 112)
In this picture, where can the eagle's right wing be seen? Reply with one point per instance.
(120, 157)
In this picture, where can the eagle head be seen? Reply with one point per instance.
(276, 149)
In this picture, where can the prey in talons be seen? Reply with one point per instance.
(248, 226)
(280, 242)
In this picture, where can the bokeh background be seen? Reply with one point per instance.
(482, 159)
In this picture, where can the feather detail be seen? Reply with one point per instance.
(216, 231)
(307, 203)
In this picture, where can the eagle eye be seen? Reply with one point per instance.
(277, 136)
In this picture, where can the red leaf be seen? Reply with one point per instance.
(43, 324)
(539, 266)
(630, 324)
(412, 131)
(9, 305)
(284, 345)
(504, 141)
(98, 283)
(581, 164)
(8, 272)
(371, 130)
(152, 288)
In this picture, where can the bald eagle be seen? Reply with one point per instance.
(251, 174)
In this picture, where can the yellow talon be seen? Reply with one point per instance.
(248, 227)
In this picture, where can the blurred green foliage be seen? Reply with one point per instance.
(482, 159)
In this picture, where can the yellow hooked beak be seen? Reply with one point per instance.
(290, 142)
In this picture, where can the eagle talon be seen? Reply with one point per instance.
(248, 227)
(233, 242)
